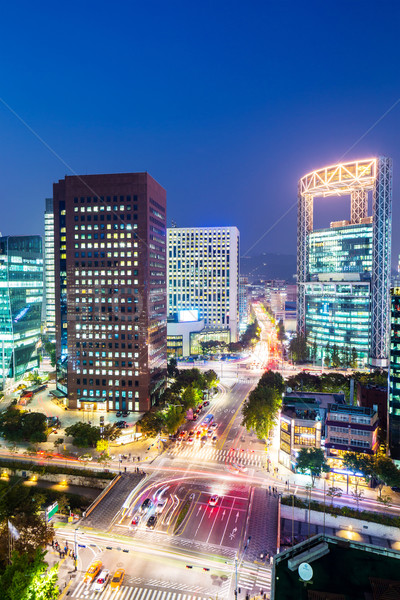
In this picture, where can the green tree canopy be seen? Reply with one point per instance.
(298, 348)
(17, 425)
(27, 578)
(312, 461)
(151, 423)
(83, 434)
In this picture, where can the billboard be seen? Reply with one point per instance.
(185, 316)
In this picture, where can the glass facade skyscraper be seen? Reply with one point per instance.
(21, 297)
(49, 304)
(338, 306)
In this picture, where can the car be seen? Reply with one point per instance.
(121, 424)
(136, 520)
(206, 403)
(119, 413)
(117, 579)
(395, 489)
(146, 505)
(190, 440)
(214, 425)
(198, 433)
(160, 506)
(195, 417)
(93, 571)
(214, 439)
(213, 501)
(203, 439)
(101, 581)
(85, 457)
(191, 432)
(125, 413)
(151, 522)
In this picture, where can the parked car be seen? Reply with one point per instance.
(121, 424)
(119, 413)
(85, 457)
(125, 413)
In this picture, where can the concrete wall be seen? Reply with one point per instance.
(92, 482)
(357, 525)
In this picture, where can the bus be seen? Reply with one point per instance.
(208, 420)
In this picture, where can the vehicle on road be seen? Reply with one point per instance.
(136, 520)
(190, 439)
(195, 417)
(161, 504)
(208, 419)
(85, 457)
(125, 413)
(146, 505)
(117, 579)
(214, 439)
(206, 403)
(101, 581)
(121, 424)
(119, 413)
(395, 489)
(213, 501)
(151, 522)
(214, 425)
(93, 571)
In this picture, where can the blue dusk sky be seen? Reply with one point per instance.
(226, 104)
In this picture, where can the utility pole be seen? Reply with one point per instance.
(76, 549)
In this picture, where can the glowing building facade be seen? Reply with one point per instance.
(49, 303)
(203, 275)
(343, 272)
(394, 375)
(110, 282)
(21, 297)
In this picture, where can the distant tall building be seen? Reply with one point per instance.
(49, 289)
(110, 286)
(394, 374)
(203, 275)
(343, 272)
(21, 296)
(243, 300)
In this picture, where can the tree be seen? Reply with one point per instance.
(191, 397)
(27, 578)
(83, 434)
(18, 426)
(334, 492)
(385, 472)
(111, 432)
(335, 360)
(298, 348)
(281, 334)
(327, 354)
(34, 377)
(357, 495)
(102, 447)
(151, 423)
(251, 336)
(357, 462)
(172, 369)
(174, 417)
(210, 379)
(312, 461)
(260, 411)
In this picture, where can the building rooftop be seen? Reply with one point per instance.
(341, 568)
(354, 410)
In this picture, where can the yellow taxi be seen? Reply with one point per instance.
(117, 579)
(93, 571)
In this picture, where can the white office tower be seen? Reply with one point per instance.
(203, 275)
(50, 310)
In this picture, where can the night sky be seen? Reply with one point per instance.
(226, 104)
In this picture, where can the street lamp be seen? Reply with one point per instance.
(76, 549)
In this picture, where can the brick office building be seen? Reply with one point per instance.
(110, 288)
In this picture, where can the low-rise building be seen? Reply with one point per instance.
(351, 429)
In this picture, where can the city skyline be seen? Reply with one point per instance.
(170, 104)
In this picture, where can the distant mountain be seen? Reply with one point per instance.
(269, 266)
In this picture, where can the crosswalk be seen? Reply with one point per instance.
(133, 593)
(210, 453)
(256, 579)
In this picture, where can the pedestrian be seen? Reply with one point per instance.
(269, 490)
